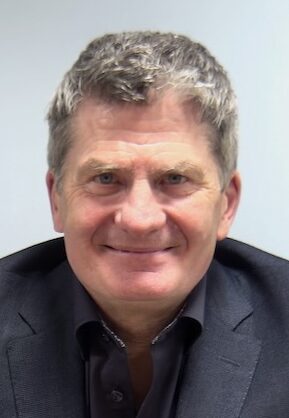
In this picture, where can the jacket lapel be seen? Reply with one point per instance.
(46, 368)
(47, 378)
(221, 364)
(218, 374)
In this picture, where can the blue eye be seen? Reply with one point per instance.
(106, 178)
(174, 178)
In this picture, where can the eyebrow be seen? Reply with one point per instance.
(94, 166)
(185, 167)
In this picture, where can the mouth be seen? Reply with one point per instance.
(138, 250)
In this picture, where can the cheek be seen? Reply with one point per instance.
(84, 217)
(198, 221)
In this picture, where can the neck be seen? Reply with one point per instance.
(137, 324)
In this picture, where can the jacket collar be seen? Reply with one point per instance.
(221, 364)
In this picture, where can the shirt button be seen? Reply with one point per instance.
(116, 396)
(105, 337)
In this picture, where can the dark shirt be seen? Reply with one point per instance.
(108, 387)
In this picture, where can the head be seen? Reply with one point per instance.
(138, 68)
(142, 158)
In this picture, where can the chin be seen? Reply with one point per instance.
(145, 286)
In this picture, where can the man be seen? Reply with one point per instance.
(145, 309)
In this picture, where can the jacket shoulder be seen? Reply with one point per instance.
(40, 257)
(238, 255)
(258, 275)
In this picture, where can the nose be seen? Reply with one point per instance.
(140, 212)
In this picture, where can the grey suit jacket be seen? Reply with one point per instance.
(239, 367)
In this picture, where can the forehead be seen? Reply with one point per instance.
(169, 113)
(167, 129)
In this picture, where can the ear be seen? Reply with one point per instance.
(231, 198)
(54, 198)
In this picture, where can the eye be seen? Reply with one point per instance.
(174, 179)
(104, 183)
(105, 178)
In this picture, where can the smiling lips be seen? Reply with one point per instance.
(136, 250)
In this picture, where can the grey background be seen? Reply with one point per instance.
(40, 40)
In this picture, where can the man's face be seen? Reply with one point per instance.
(140, 205)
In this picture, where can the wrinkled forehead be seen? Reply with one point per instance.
(165, 134)
(169, 121)
(163, 112)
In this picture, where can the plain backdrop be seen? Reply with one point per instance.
(41, 39)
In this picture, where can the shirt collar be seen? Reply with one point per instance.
(85, 316)
(86, 312)
(194, 307)
(85, 309)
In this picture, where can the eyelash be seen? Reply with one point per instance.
(174, 176)
(170, 179)
(97, 178)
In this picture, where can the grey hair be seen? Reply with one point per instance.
(128, 67)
